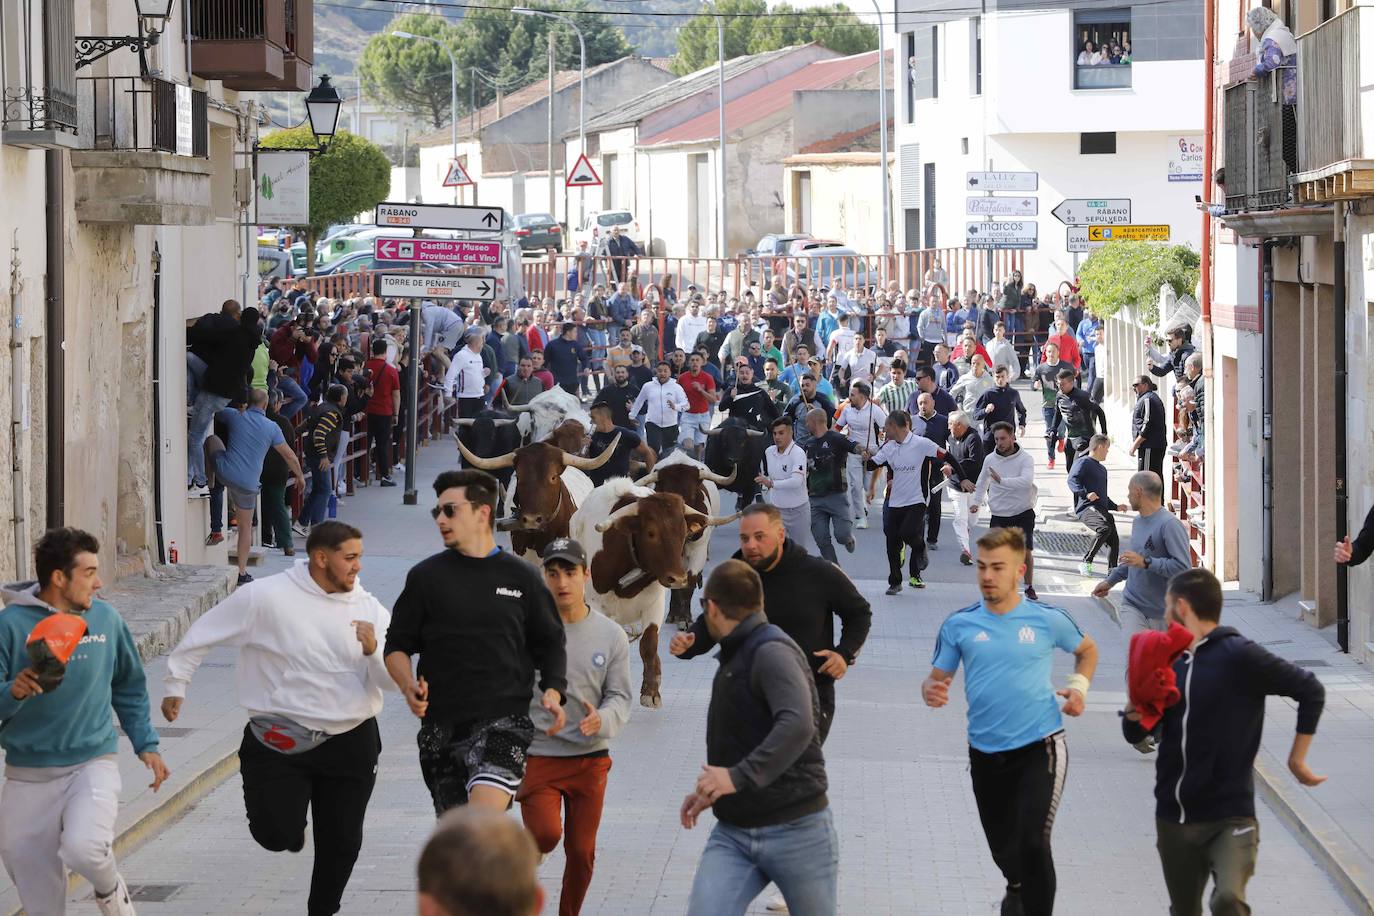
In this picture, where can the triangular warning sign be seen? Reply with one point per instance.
(457, 176)
(583, 175)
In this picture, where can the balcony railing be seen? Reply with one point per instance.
(1329, 86)
(1102, 76)
(146, 115)
(1259, 146)
(43, 96)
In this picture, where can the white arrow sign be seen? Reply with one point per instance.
(1078, 240)
(438, 216)
(1003, 206)
(435, 286)
(1084, 211)
(1003, 181)
(1002, 234)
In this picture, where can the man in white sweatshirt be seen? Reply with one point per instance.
(1007, 485)
(311, 677)
(783, 479)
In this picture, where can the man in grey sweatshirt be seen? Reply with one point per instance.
(1159, 551)
(568, 769)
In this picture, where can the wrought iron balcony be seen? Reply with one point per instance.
(38, 109)
(253, 44)
(144, 115)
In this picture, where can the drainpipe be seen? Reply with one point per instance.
(157, 405)
(1342, 498)
(21, 517)
(1209, 165)
(55, 330)
(1267, 420)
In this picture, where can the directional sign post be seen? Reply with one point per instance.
(435, 286)
(1002, 234)
(1002, 206)
(440, 216)
(1003, 181)
(1128, 233)
(1083, 211)
(438, 251)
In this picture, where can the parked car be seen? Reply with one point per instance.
(770, 246)
(830, 266)
(273, 262)
(597, 224)
(334, 232)
(363, 260)
(538, 232)
(798, 246)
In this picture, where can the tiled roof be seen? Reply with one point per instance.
(767, 100)
(863, 140)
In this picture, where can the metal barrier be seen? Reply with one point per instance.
(1189, 501)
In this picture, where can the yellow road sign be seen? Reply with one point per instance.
(1128, 233)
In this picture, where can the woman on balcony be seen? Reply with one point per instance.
(1089, 57)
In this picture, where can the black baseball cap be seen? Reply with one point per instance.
(565, 549)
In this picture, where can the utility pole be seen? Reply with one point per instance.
(720, 190)
(552, 208)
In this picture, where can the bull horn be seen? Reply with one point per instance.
(712, 521)
(591, 464)
(629, 511)
(502, 422)
(714, 432)
(647, 480)
(717, 479)
(465, 421)
(484, 464)
(520, 408)
(754, 433)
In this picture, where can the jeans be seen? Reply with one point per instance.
(294, 397)
(1225, 850)
(854, 472)
(831, 509)
(217, 508)
(195, 371)
(276, 515)
(801, 857)
(317, 503)
(197, 429)
(1053, 431)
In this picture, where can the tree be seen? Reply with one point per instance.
(351, 177)
(1131, 273)
(414, 76)
(749, 31)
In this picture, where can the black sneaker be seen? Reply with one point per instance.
(916, 582)
(387, 482)
(244, 578)
(1030, 593)
(1011, 904)
(894, 589)
(933, 545)
(965, 558)
(849, 544)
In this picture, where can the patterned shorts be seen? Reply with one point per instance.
(456, 757)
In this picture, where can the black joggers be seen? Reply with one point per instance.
(335, 779)
(1018, 794)
(1150, 458)
(379, 428)
(1103, 527)
(904, 526)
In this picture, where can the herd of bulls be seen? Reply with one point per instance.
(645, 539)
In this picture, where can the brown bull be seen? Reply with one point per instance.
(570, 436)
(688, 480)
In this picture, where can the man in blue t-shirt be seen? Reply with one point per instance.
(1017, 754)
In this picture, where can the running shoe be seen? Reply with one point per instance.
(1051, 462)
(1085, 569)
(198, 492)
(1059, 445)
(777, 905)
(916, 582)
(965, 558)
(300, 529)
(387, 482)
(1030, 593)
(893, 590)
(1011, 904)
(861, 523)
(933, 545)
(1146, 745)
(213, 538)
(244, 578)
(117, 902)
(849, 543)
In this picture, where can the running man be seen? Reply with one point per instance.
(1018, 757)
(861, 419)
(904, 507)
(482, 622)
(61, 790)
(1007, 484)
(567, 771)
(311, 679)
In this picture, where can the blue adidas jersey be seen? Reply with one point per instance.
(1007, 670)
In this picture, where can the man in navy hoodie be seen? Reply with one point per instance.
(1205, 798)
(61, 790)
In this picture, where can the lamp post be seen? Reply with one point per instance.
(581, 90)
(322, 109)
(720, 191)
(882, 137)
(90, 48)
(453, 99)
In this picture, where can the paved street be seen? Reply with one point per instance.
(910, 838)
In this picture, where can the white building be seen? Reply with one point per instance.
(1003, 92)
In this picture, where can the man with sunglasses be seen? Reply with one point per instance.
(482, 622)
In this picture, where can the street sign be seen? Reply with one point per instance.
(443, 251)
(440, 216)
(582, 174)
(435, 286)
(1083, 211)
(1128, 233)
(457, 176)
(1078, 240)
(1003, 181)
(1002, 206)
(1000, 234)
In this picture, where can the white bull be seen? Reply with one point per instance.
(546, 410)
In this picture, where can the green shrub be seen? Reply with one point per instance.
(1130, 273)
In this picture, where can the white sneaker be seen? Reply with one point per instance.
(1085, 569)
(777, 904)
(861, 523)
(118, 902)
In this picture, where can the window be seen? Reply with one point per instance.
(1097, 143)
(935, 62)
(975, 55)
(923, 66)
(911, 78)
(1102, 49)
(963, 145)
(929, 202)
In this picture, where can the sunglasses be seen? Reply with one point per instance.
(447, 510)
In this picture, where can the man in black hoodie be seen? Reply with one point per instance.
(1076, 411)
(1149, 436)
(1205, 797)
(803, 594)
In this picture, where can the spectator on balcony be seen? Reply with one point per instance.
(1278, 50)
(1089, 56)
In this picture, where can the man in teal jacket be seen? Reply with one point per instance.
(61, 789)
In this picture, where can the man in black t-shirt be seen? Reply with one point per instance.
(604, 431)
(826, 457)
(618, 396)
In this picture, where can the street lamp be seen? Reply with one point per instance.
(581, 91)
(882, 136)
(322, 108)
(453, 96)
(90, 48)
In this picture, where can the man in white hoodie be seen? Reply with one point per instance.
(311, 677)
(1007, 485)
